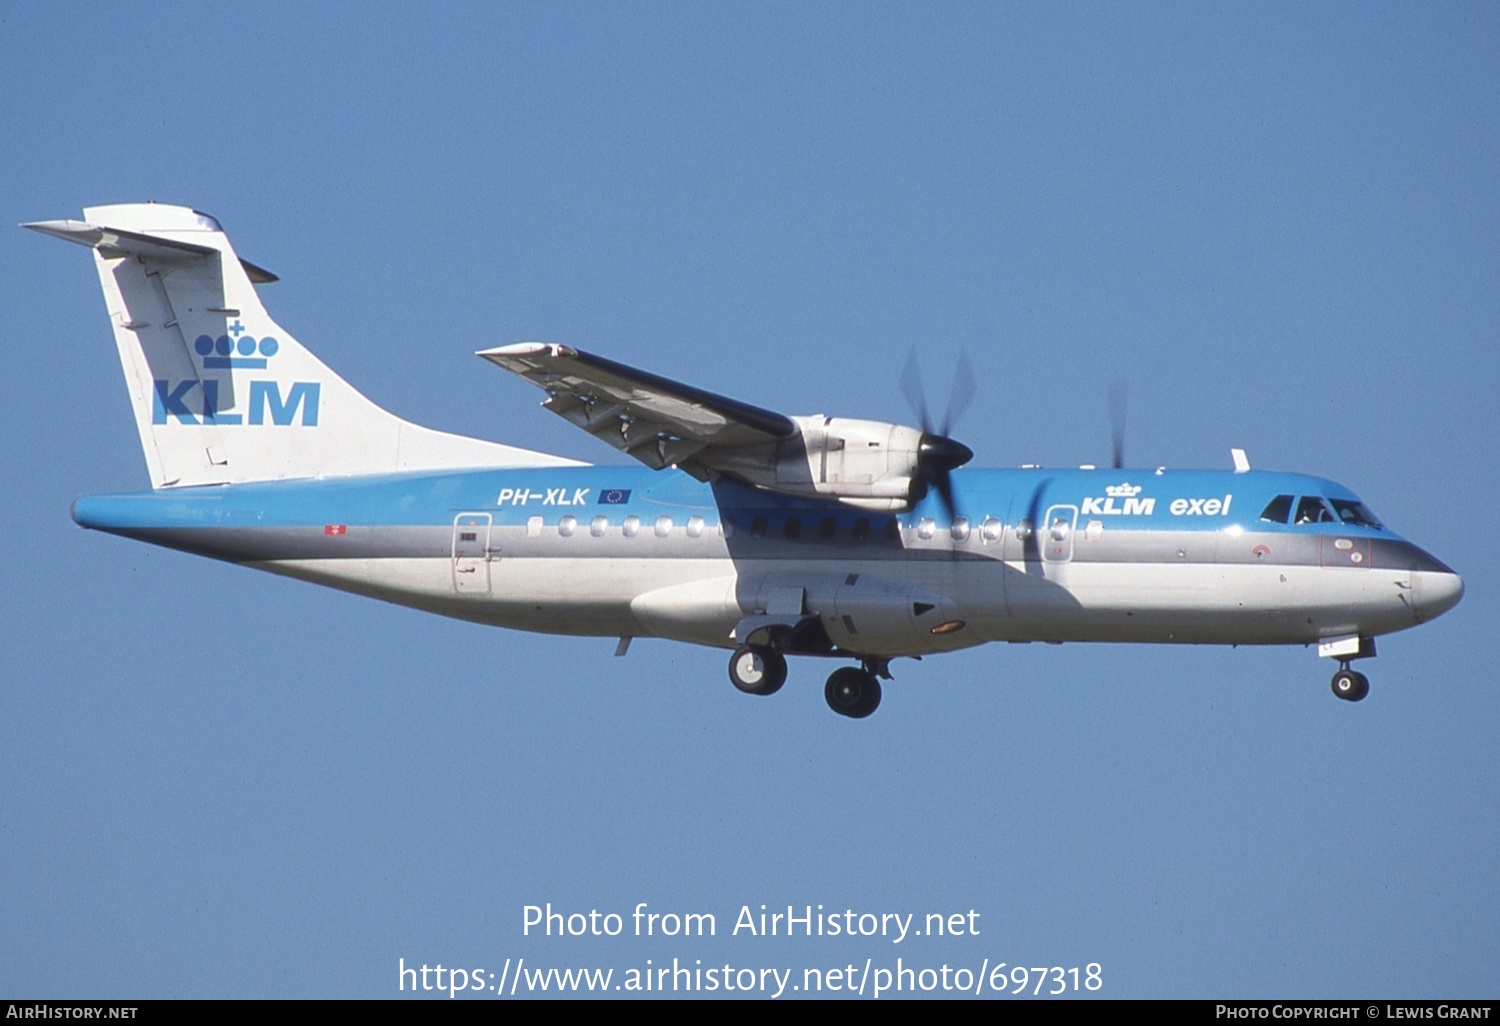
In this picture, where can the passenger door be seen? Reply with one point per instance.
(471, 553)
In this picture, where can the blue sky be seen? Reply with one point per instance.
(1277, 223)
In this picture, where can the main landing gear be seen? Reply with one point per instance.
(757, 670)
(1350, 685)
(852, 691)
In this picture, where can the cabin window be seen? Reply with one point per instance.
(598, 526)
(1277, 510)
(565, 526)
(726, 527)
(861, 528)
(793, 527)
(695, 527)
(960, 529)
(533, 527)
(758, 527)
(991, 530)
(826, 527)
(663, 526)
(1351, 511)
(1313, 510)
(632, 526)
(926, 528)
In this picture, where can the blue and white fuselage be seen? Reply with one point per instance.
(741, 527)
(1028, 555)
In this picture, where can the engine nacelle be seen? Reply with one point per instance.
(864, 463)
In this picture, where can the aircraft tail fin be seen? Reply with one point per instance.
(222, 394)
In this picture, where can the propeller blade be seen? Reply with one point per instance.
(916, 395)
(943, 485)
(964, 390)
(1117, 424)
(938, 455)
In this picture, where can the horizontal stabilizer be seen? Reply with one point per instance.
(136, 244)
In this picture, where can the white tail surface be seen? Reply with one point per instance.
(222, 394)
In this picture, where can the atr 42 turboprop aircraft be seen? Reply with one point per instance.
(746, 529)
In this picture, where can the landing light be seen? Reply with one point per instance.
(948, 628)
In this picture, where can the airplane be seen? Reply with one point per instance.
(741, 528)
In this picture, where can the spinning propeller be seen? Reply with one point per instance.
(938, 455)
(1117, 424)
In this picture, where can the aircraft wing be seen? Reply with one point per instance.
(660, 422)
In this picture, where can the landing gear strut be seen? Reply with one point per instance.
(1350, 685)
(757, 670)
(852, 692)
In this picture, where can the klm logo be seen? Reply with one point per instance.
(1121, 500)
(188, 403)
(240, 352)
(200, 401)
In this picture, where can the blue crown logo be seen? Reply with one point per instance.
(235, 351)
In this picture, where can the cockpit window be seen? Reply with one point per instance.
(1314, 510)
(1352, 512)
(1277, 510)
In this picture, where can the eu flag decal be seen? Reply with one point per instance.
(614, 496)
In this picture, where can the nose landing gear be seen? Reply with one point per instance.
(1350, 685)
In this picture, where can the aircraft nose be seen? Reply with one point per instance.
(1434, 592)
